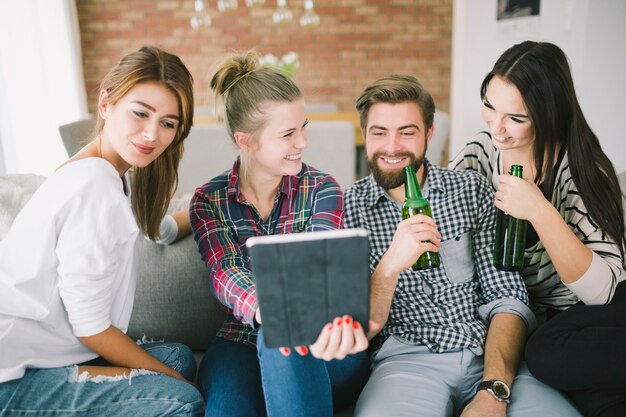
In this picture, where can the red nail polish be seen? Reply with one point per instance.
(348, 320)
(285, 351)
(339, 322)
(330, 327)
(303, 350)
(355, 324)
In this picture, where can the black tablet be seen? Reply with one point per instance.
(305, 280)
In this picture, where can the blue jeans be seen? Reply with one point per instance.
(236, 380)
(59, 392)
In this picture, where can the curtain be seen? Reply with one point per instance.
(41, 83)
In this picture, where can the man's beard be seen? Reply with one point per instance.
(390, 179)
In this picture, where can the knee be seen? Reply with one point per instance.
(541, 355)
(175, 355)
(190, 400)
(186, 362)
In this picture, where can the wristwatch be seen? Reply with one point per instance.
(499, 389)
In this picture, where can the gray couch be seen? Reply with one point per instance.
(173, 301)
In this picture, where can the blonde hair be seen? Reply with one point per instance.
(241, 86)
(153, 186)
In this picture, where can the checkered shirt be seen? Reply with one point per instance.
(222, 221)
(448, 307)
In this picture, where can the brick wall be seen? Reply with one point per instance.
(356, 42)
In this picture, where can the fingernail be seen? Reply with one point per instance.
(355, 324)
(338, 322)
(285, 351)
(348, 320)
(330, 327)
(303, 350)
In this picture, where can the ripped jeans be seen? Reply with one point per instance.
(61, 392)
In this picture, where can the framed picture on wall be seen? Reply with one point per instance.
(509, 9)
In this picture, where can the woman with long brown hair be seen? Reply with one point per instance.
(69, 261)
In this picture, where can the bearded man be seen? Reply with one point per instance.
(452, 336)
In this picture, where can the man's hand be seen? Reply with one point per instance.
(413, 237)
(484, 405)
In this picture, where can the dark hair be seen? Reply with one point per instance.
(153, 186)
(396, 89)
(541, 73)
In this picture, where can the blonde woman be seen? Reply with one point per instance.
(268, 191)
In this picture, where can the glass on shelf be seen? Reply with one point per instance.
(283, 13)
(254, 3)
(226, 5)
(309, 18)
(200, 17)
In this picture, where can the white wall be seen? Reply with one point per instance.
(592, 34)
(41, 83)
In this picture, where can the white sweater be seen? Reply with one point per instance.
(597, 285)
(67, 268)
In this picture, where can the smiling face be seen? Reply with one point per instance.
(395, 137)
(139, 127)
(277, 150)
(506, 115)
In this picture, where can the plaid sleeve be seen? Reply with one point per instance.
(351, 209)
(232, 280)
(327, 207)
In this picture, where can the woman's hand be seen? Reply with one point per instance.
(520, 198)
(342, 337)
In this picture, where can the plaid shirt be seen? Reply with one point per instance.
(222, 220)
(448, 307)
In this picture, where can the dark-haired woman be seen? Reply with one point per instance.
(570, 195)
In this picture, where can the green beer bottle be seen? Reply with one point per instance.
(508, 248)
(414, 204)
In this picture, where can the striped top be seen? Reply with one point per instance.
(223, 219)
(546, 290)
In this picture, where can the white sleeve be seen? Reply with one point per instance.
(597, 285)
(88, 250)
(168, 230)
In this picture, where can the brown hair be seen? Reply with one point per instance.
(396, 89)
(153, 186)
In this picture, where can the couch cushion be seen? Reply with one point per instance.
(15, 191)
(173, 300)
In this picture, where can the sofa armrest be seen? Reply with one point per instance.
(173, 301)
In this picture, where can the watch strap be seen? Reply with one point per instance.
(489, 386)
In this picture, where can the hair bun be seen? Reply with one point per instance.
(233, 69)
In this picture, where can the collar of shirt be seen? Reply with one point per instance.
(288, 184)
(434, 181)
